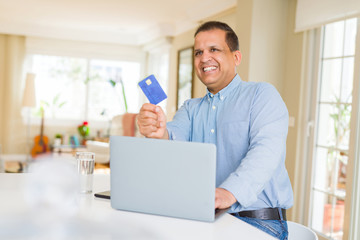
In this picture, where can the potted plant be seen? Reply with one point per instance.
(84, 131)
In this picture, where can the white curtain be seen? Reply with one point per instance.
(12, 82)
(314, 13)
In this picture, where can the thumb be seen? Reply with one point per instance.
(161, 117)
(217, 203)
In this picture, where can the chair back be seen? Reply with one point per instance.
(300, 232)
(124, 125)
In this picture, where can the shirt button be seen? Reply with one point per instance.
(214, 107)
(212, 130)
(221, 98)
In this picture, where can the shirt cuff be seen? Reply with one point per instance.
(171, 134)
(244, 194)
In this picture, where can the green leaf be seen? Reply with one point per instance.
(123, 92)
(62, 104)
(112, 82)
(44, 103)
(56, 98)
(87, 80)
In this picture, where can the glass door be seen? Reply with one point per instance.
(331, 148)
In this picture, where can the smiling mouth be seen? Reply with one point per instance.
(208, 69)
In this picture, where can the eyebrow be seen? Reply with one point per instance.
(212, 46)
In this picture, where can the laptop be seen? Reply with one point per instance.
(162, 177)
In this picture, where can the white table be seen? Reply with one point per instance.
(22, 216)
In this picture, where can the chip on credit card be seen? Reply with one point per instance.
(152, 89)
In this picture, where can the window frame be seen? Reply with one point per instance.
(81, 49)
(352, 207)
(310, 87)
(55, 122)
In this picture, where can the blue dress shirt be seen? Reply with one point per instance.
(248, 123)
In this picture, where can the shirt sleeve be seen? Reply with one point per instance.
(179, 128)
(268, 127)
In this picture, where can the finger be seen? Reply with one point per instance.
(149, 122)
(148, 107)
(147, 114)
(217, 200)
(217, 203)
(161, 123)
(148, 130)
(161, 117)
(144, 120)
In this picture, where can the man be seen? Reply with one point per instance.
(248, 122)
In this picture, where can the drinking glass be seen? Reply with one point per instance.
(85, 166)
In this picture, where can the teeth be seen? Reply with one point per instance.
(209, 69)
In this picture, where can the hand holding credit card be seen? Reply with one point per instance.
(152, 89)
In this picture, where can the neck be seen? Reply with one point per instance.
(216, 90)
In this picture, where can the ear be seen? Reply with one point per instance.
(237, 57)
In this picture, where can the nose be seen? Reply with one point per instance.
(205, 57)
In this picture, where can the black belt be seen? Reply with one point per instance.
(264, 214)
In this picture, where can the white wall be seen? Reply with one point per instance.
(262, 32)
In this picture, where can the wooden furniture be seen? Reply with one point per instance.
(67, 149)
(13, 163)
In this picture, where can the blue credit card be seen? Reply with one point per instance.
(152, 89)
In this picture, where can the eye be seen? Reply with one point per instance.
(198, 53)
(214, 49)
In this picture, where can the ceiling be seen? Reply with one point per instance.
(131, 22)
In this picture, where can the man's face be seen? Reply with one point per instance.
(214, 62)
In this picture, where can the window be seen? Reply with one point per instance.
(331, 149)
(85, 89)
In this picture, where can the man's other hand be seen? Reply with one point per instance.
(152, 121)
(223, 198)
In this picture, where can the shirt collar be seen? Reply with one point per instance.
(223, 93)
